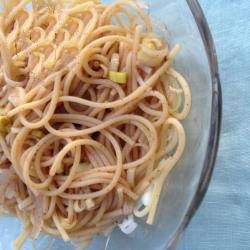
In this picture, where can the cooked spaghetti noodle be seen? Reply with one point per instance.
(90, 115)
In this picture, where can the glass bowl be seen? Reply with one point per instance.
(188, 182)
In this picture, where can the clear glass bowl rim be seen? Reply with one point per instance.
(215, 122)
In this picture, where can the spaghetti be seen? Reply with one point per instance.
(90, 115)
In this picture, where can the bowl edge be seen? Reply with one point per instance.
(215, 122)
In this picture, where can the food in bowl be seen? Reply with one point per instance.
(91, 112)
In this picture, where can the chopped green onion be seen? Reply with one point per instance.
(38, 134)
(90, 204)
(2, 111)
(49, 65)
(118, 77)
(150, 61)
(4, 124)
(149, 44)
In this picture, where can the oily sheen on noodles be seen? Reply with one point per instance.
(90, 116)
